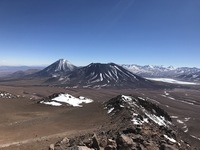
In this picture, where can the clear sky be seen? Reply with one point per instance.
(154, 32)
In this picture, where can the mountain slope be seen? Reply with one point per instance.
(56, 69)
(102, 75)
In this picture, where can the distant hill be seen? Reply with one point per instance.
(8, 70)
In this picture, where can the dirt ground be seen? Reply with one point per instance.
(25, 125)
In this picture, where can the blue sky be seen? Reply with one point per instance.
(155, 32)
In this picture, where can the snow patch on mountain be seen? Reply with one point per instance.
(142, 111)
(170, 139)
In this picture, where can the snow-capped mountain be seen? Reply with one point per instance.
(160, 71)
(191, 77)
(150, 70)
(56, 69)
(101, 75)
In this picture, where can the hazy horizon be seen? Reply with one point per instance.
(45, 65)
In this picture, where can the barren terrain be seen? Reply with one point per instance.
(25, 124)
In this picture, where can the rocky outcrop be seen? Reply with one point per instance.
(135, 124)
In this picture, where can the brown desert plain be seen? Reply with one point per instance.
(27, 125)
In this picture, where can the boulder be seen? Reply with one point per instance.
(95, 142)
(111, 145)
(125, 143)
(51, 147)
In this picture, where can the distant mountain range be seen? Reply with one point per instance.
(183, 73)
(18, 71)
(99, 75)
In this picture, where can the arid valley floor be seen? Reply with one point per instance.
(25, 124)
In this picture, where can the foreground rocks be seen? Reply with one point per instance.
(122, 141)
(135, 124)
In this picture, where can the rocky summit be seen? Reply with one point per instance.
(135, 124)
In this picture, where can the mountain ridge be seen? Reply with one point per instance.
(161, 71)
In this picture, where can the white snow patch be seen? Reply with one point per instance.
(187, 119)
(101, 78)
(166, 93)
(170, 139)
(121, 106)
(158, 120)
(138, 121)
(146, 120)
(185, 128)
(188, 102)
(141, 98)
(134, 114)
(195, 137)
(174, 117)
(110, 110)
(69, 99)
(173, 81)
(127, 97)
(180, 121)
(171, 98)
(51, 103)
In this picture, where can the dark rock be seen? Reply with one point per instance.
(125, 142)
(129, 130)
(84, 148)
(65, 141)
(112, 145)
(167, 147)
(138, 139)
(87, 142)
(95, 143)
(103, 142)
